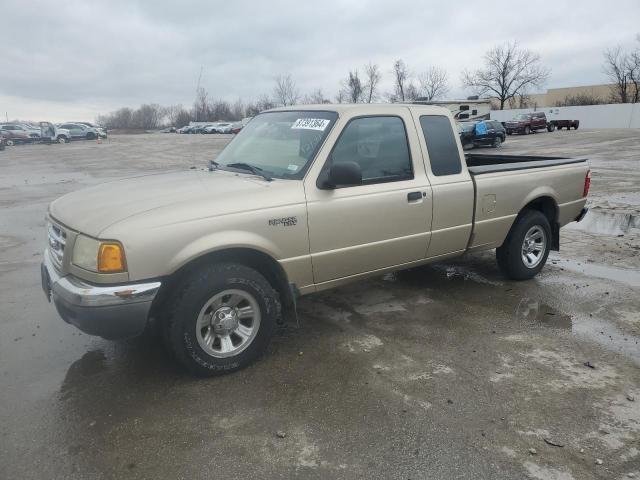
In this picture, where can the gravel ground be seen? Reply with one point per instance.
(448, 371)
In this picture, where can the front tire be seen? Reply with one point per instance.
(9, 143)
(221, 319)
(62, 139)
(526, 248)
(527, 130)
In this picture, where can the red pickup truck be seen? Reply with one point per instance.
(527, 123)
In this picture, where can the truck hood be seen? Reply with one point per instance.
(92, 210)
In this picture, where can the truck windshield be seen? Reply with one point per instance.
(281, 144)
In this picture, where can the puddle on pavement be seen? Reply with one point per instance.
(605, 334)
(629, 277)
(607, 223)
(531, 311)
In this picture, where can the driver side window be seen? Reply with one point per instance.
(379, 145)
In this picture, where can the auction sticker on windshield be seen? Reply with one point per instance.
(311, 123)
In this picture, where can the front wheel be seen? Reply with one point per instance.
(222, 319)
(527, 130)
(9, 143)
(551, 127)
(62, 139)
(526, 248)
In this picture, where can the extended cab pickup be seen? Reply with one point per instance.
(303, 199)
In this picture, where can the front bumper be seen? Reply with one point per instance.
(109, 311)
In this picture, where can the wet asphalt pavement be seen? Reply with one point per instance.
(442, 372)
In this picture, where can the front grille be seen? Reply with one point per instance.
(57, 242)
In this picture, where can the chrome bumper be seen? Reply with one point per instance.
(109, 311)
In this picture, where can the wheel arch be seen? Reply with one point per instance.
(548, 206)
(260, 261)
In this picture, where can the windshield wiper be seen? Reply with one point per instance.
(252, 168)
(213, 165)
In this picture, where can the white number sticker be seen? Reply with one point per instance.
(311, 124)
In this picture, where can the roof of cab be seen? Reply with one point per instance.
(363, 107)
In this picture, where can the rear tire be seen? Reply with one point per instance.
(208, 327)
(497, 142)
(526, 248)
(9, 143)
(527, 130)
(62, 139)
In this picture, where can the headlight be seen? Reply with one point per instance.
(98, 256)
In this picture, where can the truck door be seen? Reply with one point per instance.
(384, 221)
(452, 187)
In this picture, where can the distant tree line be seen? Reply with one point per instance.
(357, 87)
(508, 72)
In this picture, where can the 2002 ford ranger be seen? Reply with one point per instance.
(303, 199)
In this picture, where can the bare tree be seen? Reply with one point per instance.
(615, 66)
(286, 92)
(633, 67)
(353, 90)
(316, 97)
(508, 70)
(400, 79)
(433, 83)
(340, 96)
(373, 77)
(201, 105)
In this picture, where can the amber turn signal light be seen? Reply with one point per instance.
(111, 258)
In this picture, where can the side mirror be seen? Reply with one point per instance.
(343, 174)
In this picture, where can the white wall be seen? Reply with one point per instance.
(622, 115)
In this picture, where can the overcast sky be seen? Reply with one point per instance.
(72, 60)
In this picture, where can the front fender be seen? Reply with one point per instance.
(226, 240)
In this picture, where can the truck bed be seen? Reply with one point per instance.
(481, 163)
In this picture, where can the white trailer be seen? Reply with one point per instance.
(463, 110)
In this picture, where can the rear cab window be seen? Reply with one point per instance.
(441, 145)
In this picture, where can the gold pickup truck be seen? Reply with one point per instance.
(303, 199)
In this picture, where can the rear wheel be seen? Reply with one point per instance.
(497, 142)
(526, 248)
(222, 319)
(62, 139)
(527, 130)
(9, 142)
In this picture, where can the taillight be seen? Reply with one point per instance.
(587, 184)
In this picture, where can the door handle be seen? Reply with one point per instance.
(414, 196)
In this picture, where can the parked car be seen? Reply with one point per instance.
(102, 131)
(80, 131)
(32, 133)
(236, 127)
(484, 133)
(14, 136)
(168, 130)
(216, 259)
(185, 129)
(209, 128)
(51, 133)
(528, 122)
(568, 124)
(224, 127)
